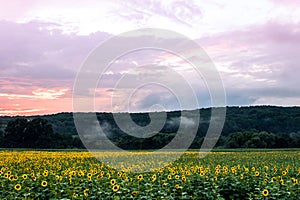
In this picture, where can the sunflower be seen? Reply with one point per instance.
(134, 193)
(242, 176)
(18, 187)
(11, 178)
(80, 173)
(215, 178)
(281, 181)
(176, 186)
(44, 183)
(74, 195)
(265, 192)
(202, 173)
(115, 188)
(284, 173)
(86, 192)
(112, 181)
(45, 173)
(177, 177)
(153, 177)
(169, 177)
(6, 175)
(24, 176)
(256, 173)
(119, 174)
(246, 170)
(206, 178)
(140, 177)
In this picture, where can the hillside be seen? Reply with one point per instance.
(279, 121)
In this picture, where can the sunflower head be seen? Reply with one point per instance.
(112, 181)
(134, 193)
(115, 188)
(140, 177)
(242, 176)
(265, 192)
(86, 192)
(18, 187)
(44, 183)
(284, 173)
(11, 178)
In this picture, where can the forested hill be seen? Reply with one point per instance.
(238, 119)
(280, 121)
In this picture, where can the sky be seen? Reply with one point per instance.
(254, 45)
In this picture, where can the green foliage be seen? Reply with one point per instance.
(36, 133)
(245, 127)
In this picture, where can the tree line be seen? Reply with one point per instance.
(36, 133)
(245, 127)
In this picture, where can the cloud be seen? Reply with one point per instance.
(260, 61)
(39, 61)
(40, 51)
(182, 12)
(167, 101)
(45, 44)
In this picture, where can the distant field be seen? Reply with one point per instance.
(234, 174)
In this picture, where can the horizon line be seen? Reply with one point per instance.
(142, 112)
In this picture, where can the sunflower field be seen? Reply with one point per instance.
(219, 175)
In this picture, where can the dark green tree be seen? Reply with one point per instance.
(15, 135)
(23, 133)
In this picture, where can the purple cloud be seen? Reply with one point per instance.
(41, 51)
(261, 61)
